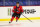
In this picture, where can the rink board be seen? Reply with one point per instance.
(31, 18)
(6, 13)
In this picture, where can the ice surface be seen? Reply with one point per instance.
(23, 23)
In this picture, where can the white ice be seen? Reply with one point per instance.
(23, 23)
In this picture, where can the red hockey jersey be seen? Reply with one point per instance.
(19, 9)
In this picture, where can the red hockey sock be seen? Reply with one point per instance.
(12, 18)
(16, 18)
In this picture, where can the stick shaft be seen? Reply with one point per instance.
(27, 18)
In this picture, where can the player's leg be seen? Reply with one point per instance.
(13, 16)
(17, 17)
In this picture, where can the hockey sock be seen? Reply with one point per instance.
(12, 18)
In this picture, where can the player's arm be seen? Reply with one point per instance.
(21, 10)
(13, 10)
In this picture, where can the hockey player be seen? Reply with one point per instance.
(17, 11)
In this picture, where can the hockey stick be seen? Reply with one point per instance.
(27, 18)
